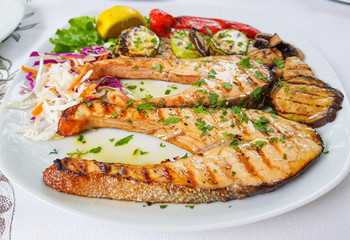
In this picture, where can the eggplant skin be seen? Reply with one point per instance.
(306, 99)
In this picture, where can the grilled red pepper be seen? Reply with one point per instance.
(163, 24)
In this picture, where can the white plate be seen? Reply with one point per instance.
(11, 13)
(23, 161)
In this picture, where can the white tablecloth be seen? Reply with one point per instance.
(325, 23)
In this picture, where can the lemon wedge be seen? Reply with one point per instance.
(111, 22)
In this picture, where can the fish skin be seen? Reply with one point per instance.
(214, 70)
(214, 172)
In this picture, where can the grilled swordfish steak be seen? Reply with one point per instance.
(235, 154)
(239, 80)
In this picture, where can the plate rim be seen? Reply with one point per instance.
(20, 5)
(320, 192)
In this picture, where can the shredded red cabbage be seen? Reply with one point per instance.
(31, 81)
(46, 61)
(34, 54)
(95, 51)
(65, 54)
(110, 82)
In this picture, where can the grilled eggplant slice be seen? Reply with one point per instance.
(228, 42)
(295, 67)
(137, 42)
(267, 56)
(306, 99)
(182, 45)
(201, 42)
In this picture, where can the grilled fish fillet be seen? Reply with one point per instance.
(224, 77)
(244, 153)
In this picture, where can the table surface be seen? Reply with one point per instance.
(323, 22)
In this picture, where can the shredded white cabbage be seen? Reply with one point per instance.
(51, 85)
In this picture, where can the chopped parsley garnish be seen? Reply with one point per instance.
(233, 173)
(173, 87)
(234, 144)
(135, 67)
(245, 62)
(257, 93)
(129, 103)
(258, 75)
(81, 139)
(111, 139)
(95, 150)
(227, 85)
(189, 206)
(242, 117)
(115, 115)
(189, 46)
(163, 206)
(279, 63)
(187, 117)
(167, 92)
(273, 114)
(54, 151)
(284, 156)
(184, 156)
(158, 66)
(261, 124)
(199, 83)
(200, 124)
(171, 120)
(259, 144)
(325, 152)
(220, 102)
(88, 103)
(162, 145)
(209, 31)
(303, 89)
(123, 141)
(154, 41)
(214, 171)
(143, 153)
(146, 106)
(258, 61)
(131, 87)
(200, 109)
(231, 135)
(235, 110)
(161, 103)
(213, 98)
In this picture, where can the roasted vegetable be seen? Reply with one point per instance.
(306, 99)
(138, 42)
(228, 42)
(201, 42)
(295, 67)
(163, 24)
(182, 45)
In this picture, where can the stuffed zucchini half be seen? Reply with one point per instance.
(137, 42)
(228, 42)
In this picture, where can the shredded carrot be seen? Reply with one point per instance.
(29, 70)
(103, 57)
(75, 82)
(38, 109)
(89, 89)
(90, 96)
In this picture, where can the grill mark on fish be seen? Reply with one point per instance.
(145, 174)
(245, 161)
(167, 181)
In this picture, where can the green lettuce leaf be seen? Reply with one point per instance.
(82, 33)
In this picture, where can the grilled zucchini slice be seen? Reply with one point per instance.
(228, 42)
(182, 45)
(137, 42)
